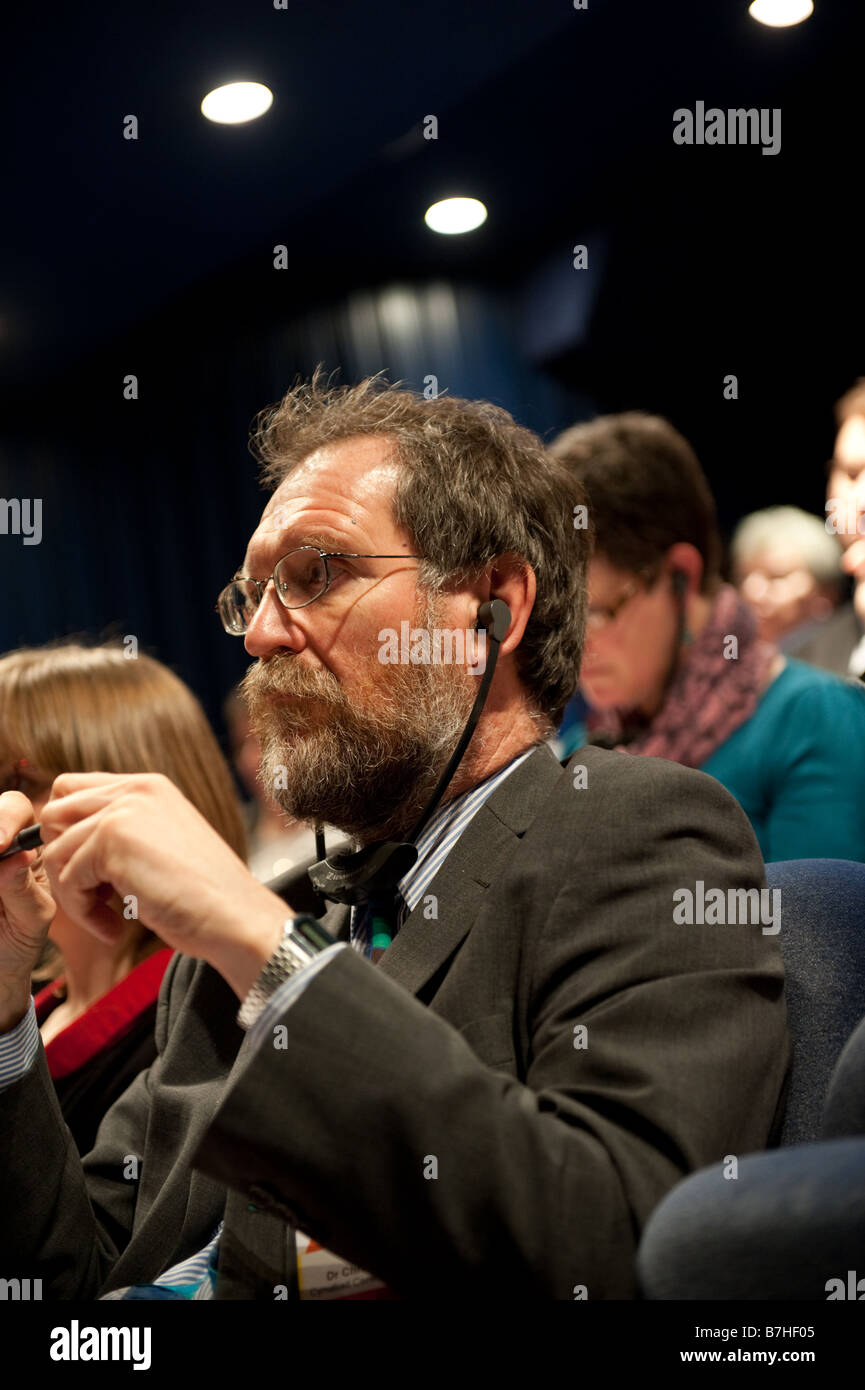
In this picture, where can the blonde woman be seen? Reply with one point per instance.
(74, 708)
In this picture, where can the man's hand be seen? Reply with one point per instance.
(140, 837)
(26, 911)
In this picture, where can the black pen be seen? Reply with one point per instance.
(25, 839)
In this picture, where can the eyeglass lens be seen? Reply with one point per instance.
(300, 577)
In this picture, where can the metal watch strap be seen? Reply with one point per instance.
(302, 938)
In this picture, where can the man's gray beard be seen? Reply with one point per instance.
(366, 771)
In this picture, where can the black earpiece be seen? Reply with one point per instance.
(495, 616)
(680, 583)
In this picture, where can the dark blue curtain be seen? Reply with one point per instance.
(147, 504)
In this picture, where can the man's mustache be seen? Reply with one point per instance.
(266, 679)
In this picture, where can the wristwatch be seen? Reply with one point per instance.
(302, 939)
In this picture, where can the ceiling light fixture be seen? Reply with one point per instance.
(454, 215)
(237, 102)
(779, 14)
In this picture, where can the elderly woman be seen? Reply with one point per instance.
(788, 568)
(72, 708)
(674, 667)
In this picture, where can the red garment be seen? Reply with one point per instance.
(108, 1019)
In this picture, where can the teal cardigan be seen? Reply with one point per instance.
(797, 766)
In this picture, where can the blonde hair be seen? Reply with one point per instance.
(67, 707)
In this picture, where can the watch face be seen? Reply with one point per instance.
(313, 932)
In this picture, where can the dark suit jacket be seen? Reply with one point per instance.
(554, 910)
(86, 1094)
(99, 1056)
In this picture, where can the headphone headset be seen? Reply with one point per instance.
(495, 617)
(685, 637)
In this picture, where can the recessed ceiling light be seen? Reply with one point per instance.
(781, 13)
(237, 102)
(454, 215)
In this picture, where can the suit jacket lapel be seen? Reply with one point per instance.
(424, 942)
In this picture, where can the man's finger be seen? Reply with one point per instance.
(67, 783)
(59, 816)
(83, 894)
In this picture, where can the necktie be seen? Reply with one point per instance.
(377, 923)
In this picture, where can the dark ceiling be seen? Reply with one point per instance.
(155, 256)
(101, 230)
(559, 119)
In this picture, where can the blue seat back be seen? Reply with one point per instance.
(823, 945)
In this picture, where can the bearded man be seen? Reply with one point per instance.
(506, 1051)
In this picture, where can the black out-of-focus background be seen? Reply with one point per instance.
(154, 257)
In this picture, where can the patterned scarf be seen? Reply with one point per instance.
(717, 687)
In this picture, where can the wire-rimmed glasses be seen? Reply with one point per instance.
(299, 578)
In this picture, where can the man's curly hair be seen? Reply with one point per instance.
(471, 485)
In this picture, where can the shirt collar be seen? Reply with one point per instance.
(445, 828)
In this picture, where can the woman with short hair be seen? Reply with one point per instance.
(673, 666)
